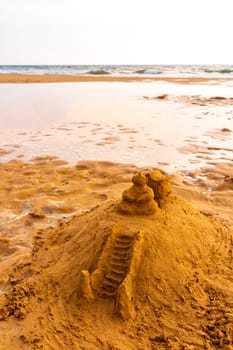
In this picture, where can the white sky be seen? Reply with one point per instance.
(116, 32)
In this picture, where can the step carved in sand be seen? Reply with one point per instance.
(118, 251)
(116, 271)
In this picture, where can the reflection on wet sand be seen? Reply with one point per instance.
(114, 122)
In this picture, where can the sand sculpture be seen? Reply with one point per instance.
(109, 279)
(161, 186)
(114, 277)
(116, 271)
(150, 191)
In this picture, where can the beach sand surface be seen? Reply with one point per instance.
(61, 227)
(55, 220)
(32, 78)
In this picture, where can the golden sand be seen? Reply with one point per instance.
(105, 256)
(78, 273)
(31, 78)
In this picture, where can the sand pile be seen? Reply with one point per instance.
(120, 278)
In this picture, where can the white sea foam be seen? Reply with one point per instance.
(163, 70)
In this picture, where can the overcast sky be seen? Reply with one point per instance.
(116, 32)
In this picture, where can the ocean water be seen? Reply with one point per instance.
(123, 70)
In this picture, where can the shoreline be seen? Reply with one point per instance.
(119, 122)
(34, 78)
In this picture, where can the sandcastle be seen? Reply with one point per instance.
(150, 191)
(114, 276)
(116, 271)
(111, 278)
(161, 186)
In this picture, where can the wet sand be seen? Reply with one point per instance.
(29, 78)
(55, 220)
(120, 122)
(58, 213)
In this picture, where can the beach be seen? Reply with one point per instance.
(32, 78)
(67, 153)
(119, 121)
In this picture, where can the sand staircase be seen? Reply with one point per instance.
(118, 266)
(115, 275)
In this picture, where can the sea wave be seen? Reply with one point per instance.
(122, 70)
(148, 71)
(221, 71)
(98, 72)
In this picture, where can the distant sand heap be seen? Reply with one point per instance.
(146, 272)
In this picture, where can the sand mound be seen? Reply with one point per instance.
(109, 280)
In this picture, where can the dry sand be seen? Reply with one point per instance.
(64, 240)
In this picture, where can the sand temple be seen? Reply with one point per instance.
(119, 262)
(149, 191)
(139, 199)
